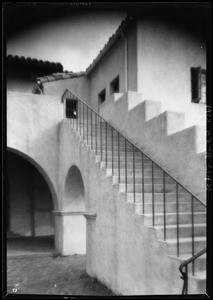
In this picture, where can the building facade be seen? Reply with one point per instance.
(148, 83)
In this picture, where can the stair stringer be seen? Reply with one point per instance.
(163, 136)
(122, 253)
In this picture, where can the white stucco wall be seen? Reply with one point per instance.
(32, 129)
(163, 137)
(120, 59)
(112, 65)
(131, 36)
(121, 252)
(78, 86)
(165, 55)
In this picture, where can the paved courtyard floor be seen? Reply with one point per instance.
(40, 273)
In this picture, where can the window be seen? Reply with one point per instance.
(114, 86)
(198, 85)
(71, 108)
(102, 96)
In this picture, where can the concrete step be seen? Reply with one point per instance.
(193, 137)
(129, 165)
(77, 124)
(146, 179)
(157, 188)
(108, 138)
(99, 131)
(183, 206)
(199, 263)
(157, 172)
(138, 155)
(92, 137)
(129, 155)
(171, 218)
(109, 147)
(158, 197)
(168, 122)
(93, 133)
(129, 158)
(197, 283)
(185, 230)
(185, 245)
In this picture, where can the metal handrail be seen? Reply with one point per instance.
(70, 96)
(185, 274)
(77, 98)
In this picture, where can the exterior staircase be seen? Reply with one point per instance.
(177, 216)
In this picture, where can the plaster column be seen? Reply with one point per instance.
(90, 243)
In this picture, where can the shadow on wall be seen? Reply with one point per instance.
(30, 201)
(74, 193)
(41, 171)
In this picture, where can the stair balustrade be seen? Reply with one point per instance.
(139, 177)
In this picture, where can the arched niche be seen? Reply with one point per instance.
(74, 191)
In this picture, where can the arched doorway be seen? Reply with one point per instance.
(74, 207)
(30, 203)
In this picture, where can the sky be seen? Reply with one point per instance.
(74, 40)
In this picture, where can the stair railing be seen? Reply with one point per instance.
(127, 159)
(184, 266)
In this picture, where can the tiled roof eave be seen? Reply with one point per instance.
(16, 60)
(60, 76)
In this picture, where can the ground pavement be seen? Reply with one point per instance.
(35, 272)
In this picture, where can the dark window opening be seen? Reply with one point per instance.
(114, 86)
(198, 85)
(102, 96)
(71, 109)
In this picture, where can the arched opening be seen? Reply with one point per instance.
(74, 207)
(30, 224)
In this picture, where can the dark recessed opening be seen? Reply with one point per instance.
(71, 108)
(102, 96)
(114, 86)
(198, 85)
